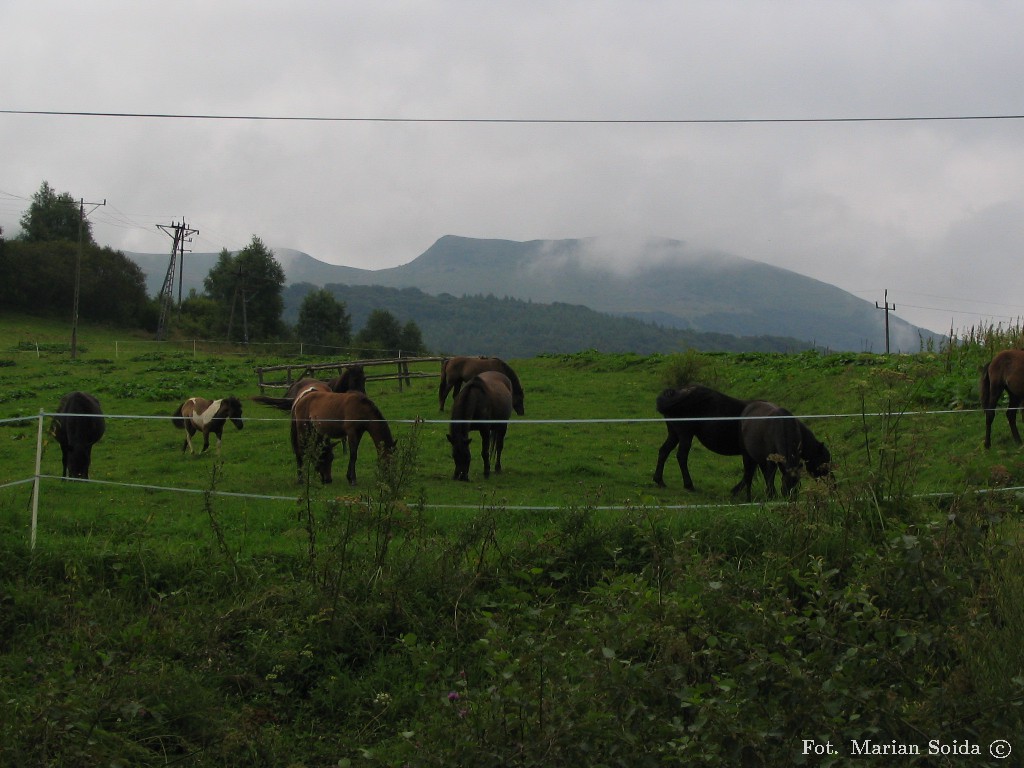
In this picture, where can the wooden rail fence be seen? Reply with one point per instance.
(283, 376)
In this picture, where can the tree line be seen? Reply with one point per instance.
(241, 299)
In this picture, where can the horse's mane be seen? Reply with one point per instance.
(507, 370)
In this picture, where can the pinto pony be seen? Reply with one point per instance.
(456, 371)
(1005, 372)
(197, 414)
(77, 426)
(710, 416)
(773, 439)
(319, 417)
(484, 405)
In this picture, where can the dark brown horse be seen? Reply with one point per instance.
(1005, 372)
(773, 439)
(709, 415)
(77, 426)
(319, 417)
(484, 405)
(197, 414)
(456, 371)
(352, 379)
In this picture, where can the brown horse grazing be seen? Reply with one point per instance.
(77, 426)
(318, 417)
(774, 438)
(709, 415)
(456, 371)
(197, 414)
(483, 405)
(352, 379)
(1005, 372)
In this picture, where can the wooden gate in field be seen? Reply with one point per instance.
(404, 369)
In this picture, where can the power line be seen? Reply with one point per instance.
(511, 120)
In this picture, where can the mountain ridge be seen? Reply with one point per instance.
(657, 280)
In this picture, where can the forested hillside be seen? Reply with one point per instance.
(512, 328)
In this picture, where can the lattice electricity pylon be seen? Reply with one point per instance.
(180, 234)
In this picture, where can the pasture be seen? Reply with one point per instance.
(210, 610)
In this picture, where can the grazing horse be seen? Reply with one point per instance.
(456, 371)
(773, 438)
(197, 414)
(716, 426)
(1005, 372)
(318, 417)
(483, 405)
(77, 426)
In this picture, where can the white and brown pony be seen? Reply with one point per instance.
(318, 417)
(197, 414)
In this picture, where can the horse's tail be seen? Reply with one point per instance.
(517, 387)
(177, 419)
(985, 385)
(281, 403)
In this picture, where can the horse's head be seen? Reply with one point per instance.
(460, 455)
(818, 459)
(232, 409)
(324, 461)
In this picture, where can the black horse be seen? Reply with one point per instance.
(484, 405)
(715, 423)
(773, 439)
(77, 426)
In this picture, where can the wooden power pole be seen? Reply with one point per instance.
(888, 308)
(78, 272)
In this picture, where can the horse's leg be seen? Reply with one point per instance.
(749, 468)
(189, 431)
(206, 439)
(990, 394)
(1011, 416)
(768, 468)
(663, 453)
(353, 449)
(499, 444)
(485, 450)
(682, 456)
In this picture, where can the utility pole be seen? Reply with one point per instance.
(888, 308)
(181, 234)
(78, 272)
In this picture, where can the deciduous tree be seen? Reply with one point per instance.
(324, 320)
(53, 216)
(247, 286)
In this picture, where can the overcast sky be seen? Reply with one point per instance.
(407, 121)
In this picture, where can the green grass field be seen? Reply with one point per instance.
(565, 611)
